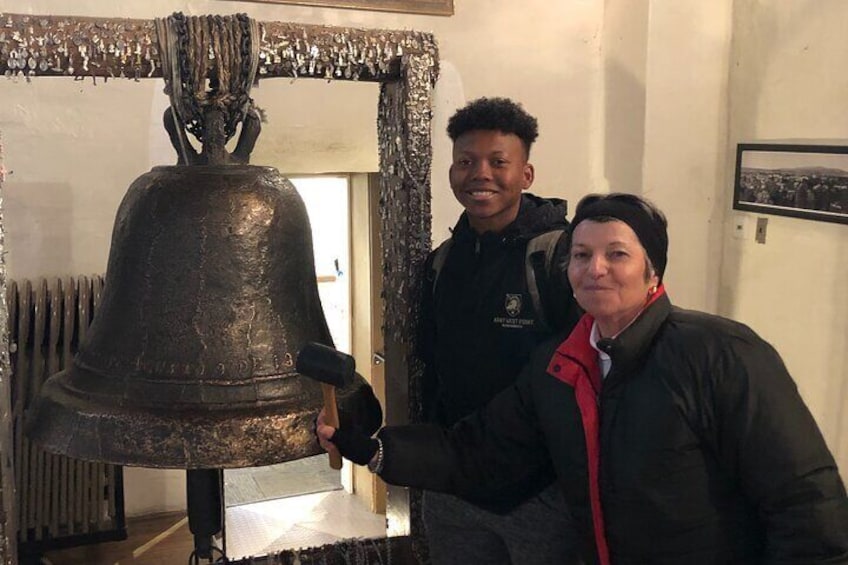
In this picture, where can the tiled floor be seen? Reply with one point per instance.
(304, 521)
(293, 505)
(292, 478)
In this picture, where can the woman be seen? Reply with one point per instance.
(677, 436)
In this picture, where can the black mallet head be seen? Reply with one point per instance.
(326, 365)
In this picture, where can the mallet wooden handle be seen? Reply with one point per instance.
(331, 415)
(331, 368)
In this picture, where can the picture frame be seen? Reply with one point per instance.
(799, 181)
(424, 7)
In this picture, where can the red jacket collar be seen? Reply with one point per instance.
(577, 349)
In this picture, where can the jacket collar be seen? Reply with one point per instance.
(576, 347)
(629, 347)
(536, 215)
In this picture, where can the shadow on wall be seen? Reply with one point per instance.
(624, 137)
(838, 405)
(38, 224)
(743, 112)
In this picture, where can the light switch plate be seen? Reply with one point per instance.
(739, 225)
(762, 224)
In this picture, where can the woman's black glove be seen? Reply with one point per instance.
(355, 445)
(359, 407)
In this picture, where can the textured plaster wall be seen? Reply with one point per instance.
(785, 86)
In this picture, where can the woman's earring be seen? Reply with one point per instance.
(652, 290)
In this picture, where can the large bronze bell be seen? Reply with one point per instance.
(190, 360)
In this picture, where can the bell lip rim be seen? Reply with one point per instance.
(201, 447)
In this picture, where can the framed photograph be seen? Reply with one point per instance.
(802, 181)
(428, 7)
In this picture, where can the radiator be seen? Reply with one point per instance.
(61, 502)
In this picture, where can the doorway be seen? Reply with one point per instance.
(327, 199)
(305, 503)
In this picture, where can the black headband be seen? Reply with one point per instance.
(652, 234)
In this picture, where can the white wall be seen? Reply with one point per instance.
(665, 134)
(786, 84)
(685, 139)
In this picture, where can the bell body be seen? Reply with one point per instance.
(190, 360)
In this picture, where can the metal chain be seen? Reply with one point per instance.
(189, 109)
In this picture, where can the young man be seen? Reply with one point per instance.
(487, 303)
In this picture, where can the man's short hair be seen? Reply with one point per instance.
(499, 114)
